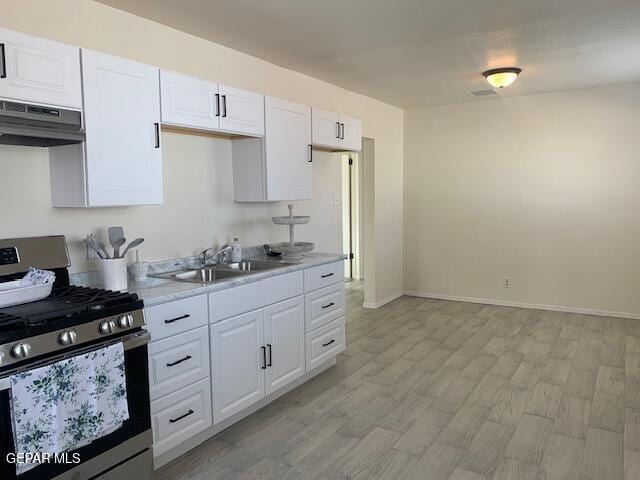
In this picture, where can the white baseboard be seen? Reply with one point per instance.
(535, 306)
(383, 301)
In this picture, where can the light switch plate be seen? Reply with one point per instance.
(337, 199)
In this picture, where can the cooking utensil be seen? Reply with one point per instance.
(115, 234)
(93, 244)
(116, 247)
(133, 244)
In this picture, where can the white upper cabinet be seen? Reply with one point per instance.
(35, 70)
(241, 111)
(335, 131)
(288, 150)
(326, 128)
(195, 103)
(277, 167)
(351, 133)
(189, 101)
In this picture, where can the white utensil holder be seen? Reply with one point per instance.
(114, 273)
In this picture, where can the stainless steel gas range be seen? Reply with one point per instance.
(71, 321)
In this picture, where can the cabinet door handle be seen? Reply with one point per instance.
(264, 358)
(328, 305)
(328, 343)
(173, 364)
(182, 317)
(224, 105)
(217, 104)
(342, 135)
(326, 275)
(4, 61)
(270, 358)
(174, 420)
(337, 129)
(310, 154)
(157, 129)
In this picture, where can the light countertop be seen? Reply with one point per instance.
(155, 291)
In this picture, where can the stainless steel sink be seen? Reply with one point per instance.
(217, 273)
(249, 266)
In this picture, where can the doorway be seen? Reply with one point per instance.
(352, 216)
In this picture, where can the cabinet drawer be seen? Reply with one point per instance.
(325, 342)
(180, 415)
(323, 306)
(178, 361)
(238, 300)
(323, 275)
(176, 317)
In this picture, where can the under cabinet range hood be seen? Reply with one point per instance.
(38, 126)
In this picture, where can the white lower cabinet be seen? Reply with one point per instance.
(238, 356)
(255, 354)
(178, 361)
(180, 415)
(325, 342)
(284, 339)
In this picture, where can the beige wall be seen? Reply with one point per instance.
(105, 29)
(544, 189)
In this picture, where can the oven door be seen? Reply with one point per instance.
(107, 453)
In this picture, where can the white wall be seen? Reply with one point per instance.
(544, 189)
(98, 27)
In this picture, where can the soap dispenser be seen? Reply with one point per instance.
(236, 251)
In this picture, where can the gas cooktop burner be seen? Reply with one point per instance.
(66, 306)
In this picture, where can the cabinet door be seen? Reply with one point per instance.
(189, 101)
(237, 363)
(39, 71)
(351, 135)
(325, 128)
(122, 116)
(288, 150)
(284, 338)
(241, 111)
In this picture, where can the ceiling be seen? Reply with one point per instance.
(413, 53)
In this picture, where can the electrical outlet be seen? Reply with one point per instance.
(507, 282)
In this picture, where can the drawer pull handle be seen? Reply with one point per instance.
(328, 343)
(264, 358)
(173, 364)
(328, 305)
(182, 317)
(326, 275)
(174, 420)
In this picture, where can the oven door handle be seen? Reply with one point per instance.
(135, 340)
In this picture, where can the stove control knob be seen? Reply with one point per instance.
(68, 337)
(106, 327)
(20, 350)
(125, 321)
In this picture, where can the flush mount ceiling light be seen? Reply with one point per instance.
(502, 77)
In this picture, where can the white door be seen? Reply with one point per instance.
(189, 101)
(284, 338)
(288, 150)
(325, 128)
(39, 71)
(351, 133)
(241, 111)
(238, 357)
(122, 117)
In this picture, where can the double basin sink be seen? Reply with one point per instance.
(220, 272)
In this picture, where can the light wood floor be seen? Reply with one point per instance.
(445, 390)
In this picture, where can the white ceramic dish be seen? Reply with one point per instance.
(12, 294)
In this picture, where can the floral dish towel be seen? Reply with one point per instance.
(68, 404)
